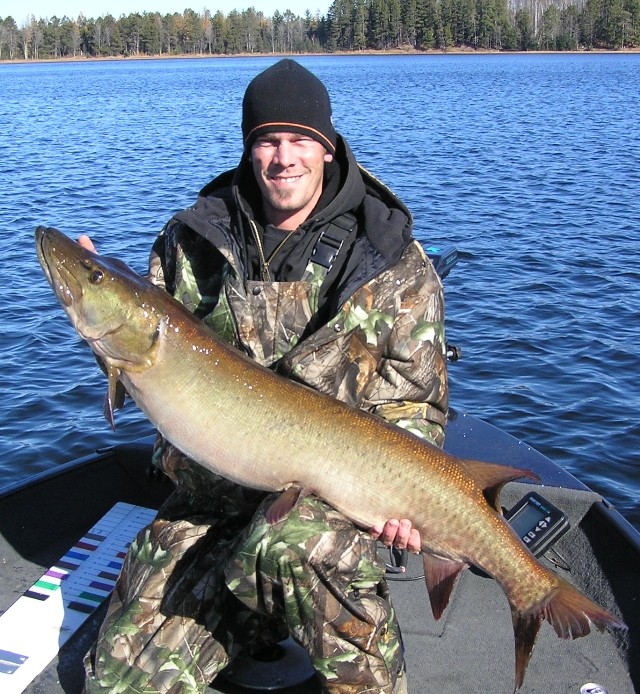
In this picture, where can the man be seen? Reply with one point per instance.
(306, 263)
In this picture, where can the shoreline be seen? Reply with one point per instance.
(371, 52)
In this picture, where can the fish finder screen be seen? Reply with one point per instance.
(538, 523)
(528, 518)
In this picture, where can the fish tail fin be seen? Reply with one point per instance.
(568, 611)
(525, 630)
(571, 613)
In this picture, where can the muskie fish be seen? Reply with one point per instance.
(264, 431)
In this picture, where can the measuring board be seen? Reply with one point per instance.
(39, 623)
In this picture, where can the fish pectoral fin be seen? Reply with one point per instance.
(440, 576)
(114, 397)
(283, 505)
(491, 478)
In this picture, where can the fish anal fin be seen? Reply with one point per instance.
(285, 502)
(491, 478)
(440, 576)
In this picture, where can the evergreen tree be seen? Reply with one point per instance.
(350, 25)
(360, 25)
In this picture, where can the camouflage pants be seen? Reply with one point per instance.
(196, 592)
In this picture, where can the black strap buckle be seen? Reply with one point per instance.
(331, 240)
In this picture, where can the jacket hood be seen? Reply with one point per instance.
(384, 222)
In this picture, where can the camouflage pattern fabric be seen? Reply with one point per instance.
(197, 590)
(324, 578)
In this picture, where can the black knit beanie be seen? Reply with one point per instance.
(288, 98)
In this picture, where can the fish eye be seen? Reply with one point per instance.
(96, 277)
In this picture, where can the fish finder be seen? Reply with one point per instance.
(538, 522)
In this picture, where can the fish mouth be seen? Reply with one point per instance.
(70, 270)
(53, 251)
(42, 253)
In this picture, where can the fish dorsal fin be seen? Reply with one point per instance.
(440, 576)
(491, 478)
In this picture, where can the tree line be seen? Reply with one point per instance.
(349, 25)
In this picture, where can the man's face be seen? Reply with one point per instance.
(288, 168)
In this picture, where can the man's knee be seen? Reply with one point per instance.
(314, 539)
(322, 576)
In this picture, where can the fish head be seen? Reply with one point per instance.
(111, 307)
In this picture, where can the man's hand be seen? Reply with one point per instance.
(87, 243)
(399, 533)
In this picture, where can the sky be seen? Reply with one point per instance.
(21, 10)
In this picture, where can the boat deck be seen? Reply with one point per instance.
(469, 650)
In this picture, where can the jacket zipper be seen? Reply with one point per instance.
(264, 265)
(264, 262)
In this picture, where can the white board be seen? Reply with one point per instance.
(37, 625)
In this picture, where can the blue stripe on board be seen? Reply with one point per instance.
(10, 661)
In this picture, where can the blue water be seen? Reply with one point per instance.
(530, 165)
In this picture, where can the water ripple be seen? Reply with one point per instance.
(528, 164)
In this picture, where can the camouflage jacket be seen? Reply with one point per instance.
(381, 347)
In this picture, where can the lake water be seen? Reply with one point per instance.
(530, 165)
